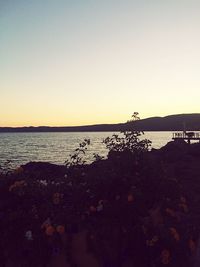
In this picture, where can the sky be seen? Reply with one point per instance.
(80, 62)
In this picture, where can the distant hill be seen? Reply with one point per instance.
(86, 128)
(168, 123)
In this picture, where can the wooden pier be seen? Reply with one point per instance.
(186, 136)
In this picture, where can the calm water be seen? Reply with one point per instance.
(20, 148)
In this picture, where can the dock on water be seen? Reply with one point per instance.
(186, 136)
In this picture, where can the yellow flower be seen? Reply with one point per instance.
(60, 229)
(130, 198)
(152, 242)
(165, 256)
(46, 223)
(192, 245)
(17, 184)
(56, 198)
(174, 233)
(50, 230)
(56, 195)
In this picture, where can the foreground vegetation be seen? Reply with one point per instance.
(136, 208)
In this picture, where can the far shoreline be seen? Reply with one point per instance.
(179, 122)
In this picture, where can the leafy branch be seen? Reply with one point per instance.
(78, 157)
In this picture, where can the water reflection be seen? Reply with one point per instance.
(21, 148)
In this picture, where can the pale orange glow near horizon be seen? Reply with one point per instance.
(80, 63)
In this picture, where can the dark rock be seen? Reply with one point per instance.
(43, 170)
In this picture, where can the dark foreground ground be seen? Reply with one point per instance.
(130, 210)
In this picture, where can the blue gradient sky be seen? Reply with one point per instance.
(84, 62)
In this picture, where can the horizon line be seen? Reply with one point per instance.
(88, 125)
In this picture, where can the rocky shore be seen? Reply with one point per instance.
(131, 209)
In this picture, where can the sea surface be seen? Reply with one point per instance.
(19, 148)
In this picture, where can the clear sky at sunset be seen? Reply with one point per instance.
(76, 62)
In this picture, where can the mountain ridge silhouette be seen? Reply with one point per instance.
(176, 122)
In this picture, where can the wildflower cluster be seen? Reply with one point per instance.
(57, 197)
(16, 185)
